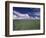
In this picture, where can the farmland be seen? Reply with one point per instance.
(26, 24)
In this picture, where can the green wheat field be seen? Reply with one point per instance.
(26, 24)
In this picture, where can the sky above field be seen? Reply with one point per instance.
(34, 12)
(30, 11)
(26, 10)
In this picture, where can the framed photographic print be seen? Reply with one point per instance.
(24, 18)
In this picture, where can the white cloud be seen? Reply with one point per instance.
(20, 16)
(37, 17)
(24, 16)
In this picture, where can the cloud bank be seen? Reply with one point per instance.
(18, 15)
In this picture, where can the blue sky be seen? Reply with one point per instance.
(30, 11)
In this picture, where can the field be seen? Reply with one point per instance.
(26, 24)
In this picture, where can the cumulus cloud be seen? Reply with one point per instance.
(18, 15)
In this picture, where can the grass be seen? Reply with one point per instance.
(26, 24)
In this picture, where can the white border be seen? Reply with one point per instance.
(11, 5)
